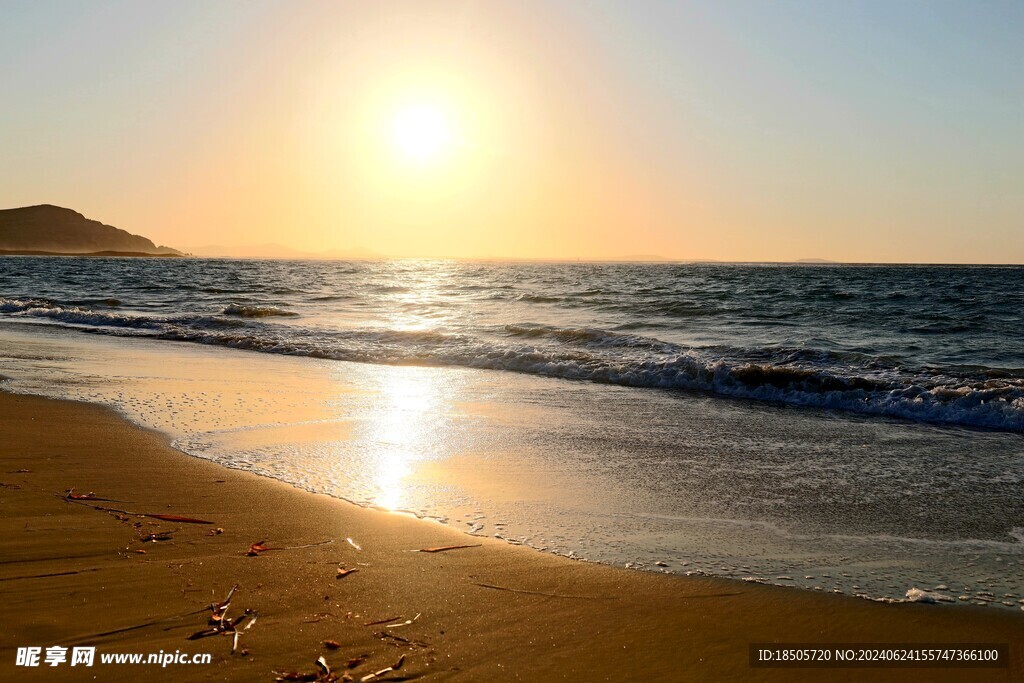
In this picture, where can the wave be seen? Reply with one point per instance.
(245, 311)
(107, 303)
(539, 299)
(838, 380)
(666, 308)
(588, 336)
(76, 315)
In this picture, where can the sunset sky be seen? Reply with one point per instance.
(858, 131)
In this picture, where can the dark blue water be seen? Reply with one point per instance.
(939, 344)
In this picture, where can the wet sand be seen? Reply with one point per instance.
(72, 575)
(707, 486)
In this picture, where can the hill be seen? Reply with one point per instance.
(55, 230)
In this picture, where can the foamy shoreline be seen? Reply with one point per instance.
(479, 611)
(389, 437)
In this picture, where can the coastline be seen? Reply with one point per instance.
(89, 254)
(493, 610)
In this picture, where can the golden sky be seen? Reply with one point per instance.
(526, 130)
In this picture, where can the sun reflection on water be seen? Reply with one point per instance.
(408, 424)
(419, 304)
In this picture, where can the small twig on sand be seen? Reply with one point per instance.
(223, 626)
(261, 547)
(219, 608)
(162, 620)
(407, 622)
(548, 595)
(444, 548)
(158, 536)
(394, 667)
(166, 518)
(238, 632)
(399, 641)
(308, 545)
(46, 576)
(317, 617)
(71, 495)
(176, 518)
(323, 674)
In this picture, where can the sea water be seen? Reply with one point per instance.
(843, 428)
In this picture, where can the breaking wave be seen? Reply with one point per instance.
(802, 376)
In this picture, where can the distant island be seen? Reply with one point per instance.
(47, 230)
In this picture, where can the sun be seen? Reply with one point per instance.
(422, 133)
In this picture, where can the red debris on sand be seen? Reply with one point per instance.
(257, 548)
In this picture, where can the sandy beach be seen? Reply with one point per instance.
(76, 575)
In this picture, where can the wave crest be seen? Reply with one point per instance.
(251, 311)
(850, 381)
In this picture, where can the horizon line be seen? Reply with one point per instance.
(617, 260)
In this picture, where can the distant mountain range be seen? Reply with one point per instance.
(279, 251)
(48, 229)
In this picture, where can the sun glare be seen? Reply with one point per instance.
(421, 133)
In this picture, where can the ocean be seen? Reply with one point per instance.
(846, 428)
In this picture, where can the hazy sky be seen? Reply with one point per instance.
(862, 131)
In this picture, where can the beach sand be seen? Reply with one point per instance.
(73, 575)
